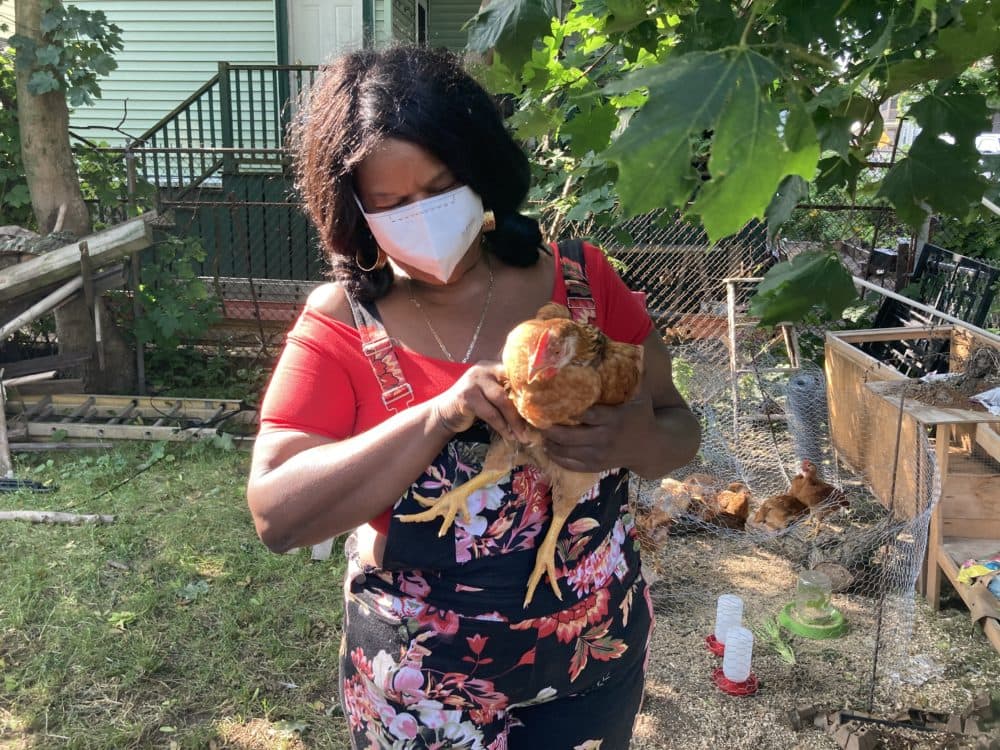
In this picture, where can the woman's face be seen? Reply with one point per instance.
(400, 173)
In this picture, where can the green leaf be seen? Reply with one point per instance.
(51, 20)
(962, 115)
(791, 190)
(833, 131)
(591, 131)
(654, 152)
(47, 55)
(103, 64)
(535, 122)
(835, 172)
(17, 196)
(934, 174)
(749, 159)
(625, 14)
(793, 288)
(42, 82)
(959, 45)
(511, 27)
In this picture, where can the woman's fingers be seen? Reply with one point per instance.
(480, 394)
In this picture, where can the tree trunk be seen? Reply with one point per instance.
(44, 123)
(53, 182)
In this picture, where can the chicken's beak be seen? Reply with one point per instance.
(539, 361)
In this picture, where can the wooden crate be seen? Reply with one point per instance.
(886, 438)
(864, 419)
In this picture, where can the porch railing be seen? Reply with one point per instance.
(236, 121)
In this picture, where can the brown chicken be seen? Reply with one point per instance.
(821, 498)
(733, 507)
(779, 512)
(698, 498)
(807, 495)
(556, 370)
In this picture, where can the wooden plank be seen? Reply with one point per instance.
(48, 387)
(925, 412)
(105, 247)
(859, 358)
(988, 439)
(42, 364)
(127, 432)
(990, 528)
(850, 405)
(892, 334)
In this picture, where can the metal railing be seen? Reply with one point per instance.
(235, 121)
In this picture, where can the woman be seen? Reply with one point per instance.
(383, 396)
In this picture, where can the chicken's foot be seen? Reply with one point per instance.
(545, 561)
(451, 503)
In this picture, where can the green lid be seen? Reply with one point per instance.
(835, 626)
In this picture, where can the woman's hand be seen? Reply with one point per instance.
(608, 437)
(480, 394)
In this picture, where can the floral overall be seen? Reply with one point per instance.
(438, 651)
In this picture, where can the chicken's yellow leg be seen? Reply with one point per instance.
(545, 560)
(497, 463)
(450, 503)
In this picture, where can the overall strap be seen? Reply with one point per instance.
(377, 346)
(578, 298)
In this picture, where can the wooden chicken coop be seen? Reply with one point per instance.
(883, 435)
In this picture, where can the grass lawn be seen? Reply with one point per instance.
(173, 627)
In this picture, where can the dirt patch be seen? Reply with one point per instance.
(982, 373)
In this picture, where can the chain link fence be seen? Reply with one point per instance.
(726, 523)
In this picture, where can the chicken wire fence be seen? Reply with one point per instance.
(724, 523)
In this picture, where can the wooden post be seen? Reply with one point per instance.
(6, 466)
(935, 534)
(87, 274)
(140, 354)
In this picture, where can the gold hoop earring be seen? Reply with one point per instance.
(380, 260)
(489, 221)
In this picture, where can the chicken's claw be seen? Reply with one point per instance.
(545, 563)
(449, 504)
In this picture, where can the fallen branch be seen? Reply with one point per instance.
(46, 516)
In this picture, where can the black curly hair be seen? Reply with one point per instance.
(418, 95)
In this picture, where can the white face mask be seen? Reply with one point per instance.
(431, 235)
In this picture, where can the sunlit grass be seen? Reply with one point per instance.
(172, 625)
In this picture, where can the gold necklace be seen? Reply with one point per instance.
(479, 325)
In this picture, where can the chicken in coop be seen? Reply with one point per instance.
(701, 500)
(807, 495)
(556, 369)
(779, 512)
(821, 498)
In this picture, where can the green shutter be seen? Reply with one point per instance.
(445, 19)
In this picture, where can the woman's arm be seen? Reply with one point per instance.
(651, 435)
(305, 488)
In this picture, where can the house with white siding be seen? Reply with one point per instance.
(200, 102)
(172, 47)
(6, 19)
